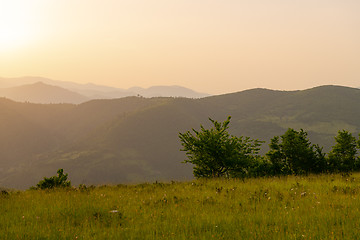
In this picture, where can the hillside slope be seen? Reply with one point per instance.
(135, 139)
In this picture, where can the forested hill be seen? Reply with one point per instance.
(135, 139)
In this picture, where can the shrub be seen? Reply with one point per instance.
(59, 181)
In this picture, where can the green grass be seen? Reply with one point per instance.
(312, 207)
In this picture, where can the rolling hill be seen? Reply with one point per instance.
(135, 139)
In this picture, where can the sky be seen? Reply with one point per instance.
(213, 46)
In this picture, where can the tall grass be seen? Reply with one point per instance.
(311, 207)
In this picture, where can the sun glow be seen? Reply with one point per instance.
(16, 29)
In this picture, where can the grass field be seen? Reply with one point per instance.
(311, 207)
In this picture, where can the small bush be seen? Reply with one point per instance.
(4, 193)
(59, 181)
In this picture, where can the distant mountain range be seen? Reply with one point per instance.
(135, 139)
(42, 93)
(43, 90)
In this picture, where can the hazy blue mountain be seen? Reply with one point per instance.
(168, 91)
(135, 139)
(94, 91)
(40, 92)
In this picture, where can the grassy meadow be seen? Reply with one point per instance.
(294, 207)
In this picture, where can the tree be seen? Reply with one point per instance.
(343, 154)
(280, 164)
(216, 153)
(295, 154)
(59, 181)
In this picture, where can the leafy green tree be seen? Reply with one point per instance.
(295, 154)
(260, 167)
(342, 157)
(280, 164)
(216, 153)
(59, 181)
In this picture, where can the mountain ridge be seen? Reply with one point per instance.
(135, 139)
(94, 91)
(40, 92)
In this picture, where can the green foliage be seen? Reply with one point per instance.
(59, 181)
(276, 156)
(261, 167)
(295, 154)
(342, 157)
(216, 153)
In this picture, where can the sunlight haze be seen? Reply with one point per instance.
(208, 45)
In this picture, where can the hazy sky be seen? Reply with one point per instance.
(213, 46)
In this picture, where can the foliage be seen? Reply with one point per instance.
(342, 157)
(59, 181)
(216, 153)
(276, 156)
(295, 154)
(261, 167)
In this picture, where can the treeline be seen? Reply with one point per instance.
(216, 153)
